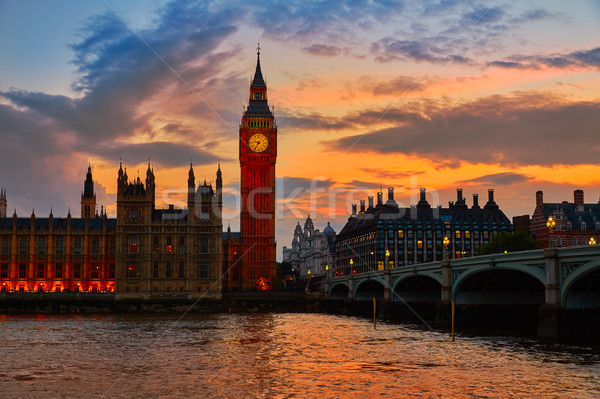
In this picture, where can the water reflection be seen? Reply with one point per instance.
(278, 356)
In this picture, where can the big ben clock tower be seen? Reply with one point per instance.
(258, 152)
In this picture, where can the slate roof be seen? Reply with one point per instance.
(258, 108)
(423, 217)
(571, 214)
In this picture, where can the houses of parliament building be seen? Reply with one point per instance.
(144, 251)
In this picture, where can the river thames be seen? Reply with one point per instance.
(278, 356)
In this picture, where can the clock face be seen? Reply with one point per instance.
(258, 142)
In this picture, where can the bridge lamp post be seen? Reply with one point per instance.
(550, 224)
(387, 258)
(446, 243)
(352, 267)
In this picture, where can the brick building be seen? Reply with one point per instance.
(576, 222)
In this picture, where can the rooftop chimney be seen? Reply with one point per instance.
(370, 201)
(578, 199)
(423, 204)
(459, 192)
(362, 206)
(380, 198)
(539, 198)
(390, 193)
(353, 209)
(476, 201)
(491, 204)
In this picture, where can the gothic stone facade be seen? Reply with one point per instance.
(312, 252)
(167, 251)
(144, 251)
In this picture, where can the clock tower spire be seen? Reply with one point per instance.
(257, 155)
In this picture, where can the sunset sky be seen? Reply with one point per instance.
(437, 94)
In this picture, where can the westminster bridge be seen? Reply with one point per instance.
(554, 282)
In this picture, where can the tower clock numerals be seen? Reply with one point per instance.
(258, 142)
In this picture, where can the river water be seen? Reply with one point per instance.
(278, 356)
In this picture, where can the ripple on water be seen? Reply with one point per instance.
(278, 356)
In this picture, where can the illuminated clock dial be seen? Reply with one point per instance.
(258, 142)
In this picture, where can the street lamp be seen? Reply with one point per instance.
(550, 224)
(387, 258)
(446, 243)
(592, 241)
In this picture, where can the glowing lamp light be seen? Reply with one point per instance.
(326, 267)
(263, 284)
(387, 252)
(308, 271)
(592, 241)
(550, 223)
(446, 242)
(351, 261)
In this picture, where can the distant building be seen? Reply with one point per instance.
(576, 222)
(522, 221)
(383, 235)
(312, 252)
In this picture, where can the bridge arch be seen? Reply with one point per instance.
(581, 288)
(507, 285)
(417, 288)
(368, 289)
(339, 291)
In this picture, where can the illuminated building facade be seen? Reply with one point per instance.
(257, 155)
(144, 251)
(59, 253)
(576, 222)
(383, 235)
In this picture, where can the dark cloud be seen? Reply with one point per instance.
(163, 153)
(483, 15)
(575, 59)
(311, 122)
(294, 187)
(322, 49)
(117, 73)
(497, 179)
(517, 130)
(390, 49)
(399, 85)
(509, 65)
(324, 21)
